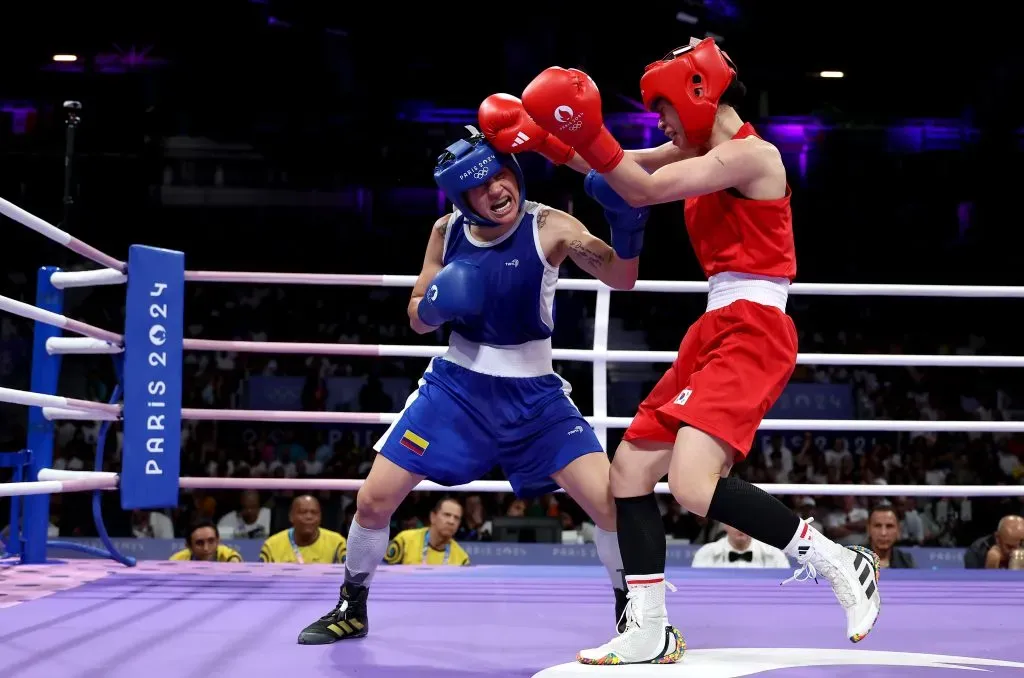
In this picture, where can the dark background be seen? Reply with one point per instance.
(330, 94)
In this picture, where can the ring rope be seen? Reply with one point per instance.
(107, 480)
(587, 284)
(31, 399)
(63, 280)
(592, 355)
(113, 273)
(900, 425)
(58, 411)
(55, 486)
(88, 346)
(48, 230)
(81, 346)
(56, 320)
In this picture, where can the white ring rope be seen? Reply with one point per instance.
(81, 346)
(902, 425)
(56, 408)
(55, 319)
(108, 480)
(63, 280)
(587, 284)
(58, 236)
(596, 355)
(55, 487)
(102, 341)
(71, 414)
(30, 399)
(600, 366)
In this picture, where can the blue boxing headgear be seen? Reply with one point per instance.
(469, 163)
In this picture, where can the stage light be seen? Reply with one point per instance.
(831, 74)
(65, 57)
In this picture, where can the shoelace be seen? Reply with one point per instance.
(807, 570)
(634, 610)
(337, 612)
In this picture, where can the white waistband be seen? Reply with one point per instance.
(532, 359)
(725, 288)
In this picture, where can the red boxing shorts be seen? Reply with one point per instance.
(732, 366)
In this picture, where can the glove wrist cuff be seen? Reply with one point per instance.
(555, 150)
(627, 244)
(604, 153)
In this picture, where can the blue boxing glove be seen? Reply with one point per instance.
(627, 223)
(457, 291)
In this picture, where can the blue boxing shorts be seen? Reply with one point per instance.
(459, 424)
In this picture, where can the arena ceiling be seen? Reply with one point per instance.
(901, 60)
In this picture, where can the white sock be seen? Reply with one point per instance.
(803, 531)
(802, 539)
(366, 549)
(607, 544)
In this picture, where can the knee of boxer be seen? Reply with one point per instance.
(630, 480)
(693, 491)
(637, 467)
(603, 515)
(375, 505)
(699, 460)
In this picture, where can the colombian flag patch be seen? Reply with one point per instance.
(414, 443)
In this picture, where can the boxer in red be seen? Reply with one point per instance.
(734, 361)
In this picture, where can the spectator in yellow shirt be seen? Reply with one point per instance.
(203, 543)
(305, 542)
(430, 545)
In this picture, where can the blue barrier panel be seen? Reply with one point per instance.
(45, 370)
(498, 553)
(154, 328)
(814, 401)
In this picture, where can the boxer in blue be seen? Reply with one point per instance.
(489, 274)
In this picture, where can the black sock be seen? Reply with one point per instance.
(750, 509)
(641, 535)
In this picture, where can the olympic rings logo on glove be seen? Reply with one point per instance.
(564, 114)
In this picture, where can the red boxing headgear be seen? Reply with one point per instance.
(692, 79)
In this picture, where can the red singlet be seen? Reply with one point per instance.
(730, 233)
(735, 361)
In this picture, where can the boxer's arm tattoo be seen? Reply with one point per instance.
(588, 258)
(542, 219)
(442, 224)
(720, 161)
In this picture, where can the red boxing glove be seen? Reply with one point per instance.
(567, 103)
(507, 126)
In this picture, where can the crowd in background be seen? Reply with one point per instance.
(295, 451)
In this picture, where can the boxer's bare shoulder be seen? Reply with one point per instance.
(442, 223)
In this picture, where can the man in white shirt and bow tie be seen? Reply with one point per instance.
(737, 549)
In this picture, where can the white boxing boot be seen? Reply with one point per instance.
(648, 637)
(852, 571)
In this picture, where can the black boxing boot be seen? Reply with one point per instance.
(347, 620)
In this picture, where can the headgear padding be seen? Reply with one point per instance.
(469, 163)
(692, 79)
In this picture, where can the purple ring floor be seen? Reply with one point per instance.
(95, 619)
